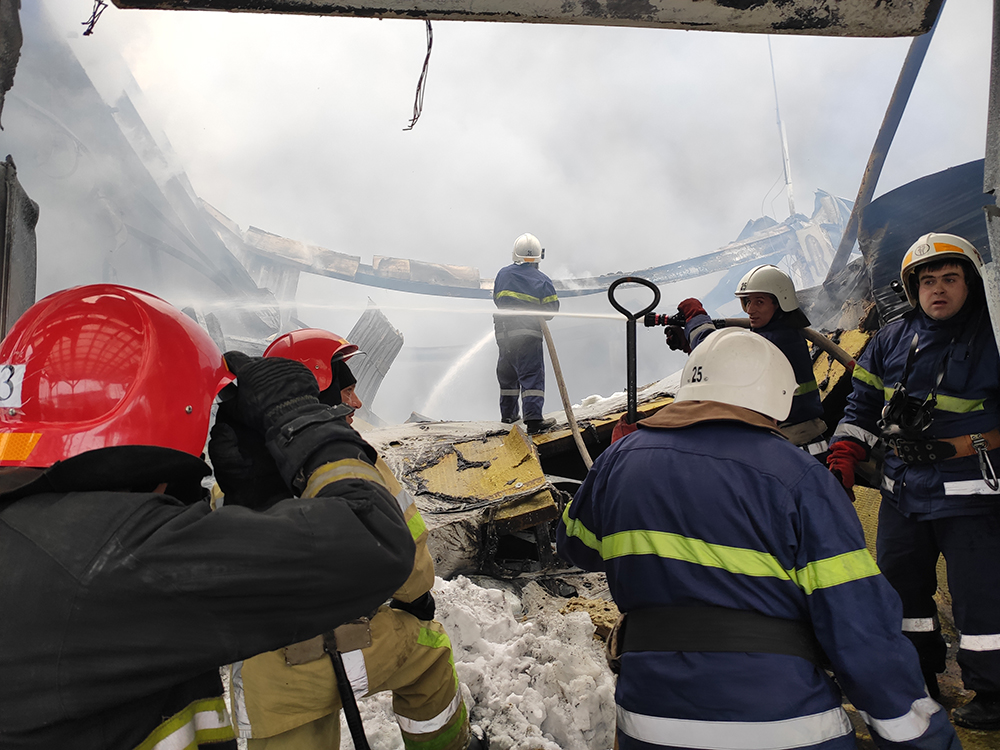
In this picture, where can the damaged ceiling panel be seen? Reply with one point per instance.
(873, 18)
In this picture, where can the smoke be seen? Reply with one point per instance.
(619, 148)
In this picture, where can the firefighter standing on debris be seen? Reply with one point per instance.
(288, 699)
(521, 366)
(929, 386)
(122, 593)
(768, 297)
(741, 570)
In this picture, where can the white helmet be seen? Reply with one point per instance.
(736, 366)
(931, 248)
(527, 249)
(769, 279)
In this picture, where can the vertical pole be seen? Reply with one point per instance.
(876, 160)
(991, 180)
(785, 160)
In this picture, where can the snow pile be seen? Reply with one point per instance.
(533, 678)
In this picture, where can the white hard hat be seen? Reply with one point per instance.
(931, 248)
(736, 366)
(769, 279)
(527, 249)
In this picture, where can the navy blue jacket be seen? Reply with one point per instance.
(522, 286)
(698, 508)
(968, 401)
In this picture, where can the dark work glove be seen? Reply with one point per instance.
(422, 607)
(243, 467)
(279, 398)
(690, 308)
(677, 339)
(270, 388)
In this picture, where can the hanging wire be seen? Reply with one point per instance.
(90, 23)
(418, 102)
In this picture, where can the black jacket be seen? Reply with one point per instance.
(117, 606)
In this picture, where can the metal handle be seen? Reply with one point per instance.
(630, 318)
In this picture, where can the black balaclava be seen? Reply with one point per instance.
(342, 378)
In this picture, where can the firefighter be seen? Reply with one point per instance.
(741, 570)
(928, 385)
(122, 593)
(521, 367)
(293, 703)
(768, 297)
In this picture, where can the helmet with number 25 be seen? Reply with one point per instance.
(104, 365)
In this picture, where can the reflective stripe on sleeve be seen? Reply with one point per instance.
(412, 726)
(550, 299)
(868, 378)
(801, 731)
(845, 429)
(920, 624)
(819, 574)
(907, 727)
(703, 330)
(969, 487)
(200, 722)
(348, 468)
(979, 642)
(807, 387)
(815, 449)
(357, 673)
(239, 700)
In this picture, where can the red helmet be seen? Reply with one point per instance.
(316, 349)
(104, 365)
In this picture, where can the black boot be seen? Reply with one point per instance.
(538, 425)
(982, 712)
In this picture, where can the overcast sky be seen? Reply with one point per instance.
(619, 148)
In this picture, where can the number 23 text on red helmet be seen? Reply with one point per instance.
(104, 365)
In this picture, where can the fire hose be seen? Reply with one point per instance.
(564, 395)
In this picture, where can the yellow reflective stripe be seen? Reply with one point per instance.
(833, 571)
(819, 574)
(416, 525)
(520, 296)
(686, 549)
(959, 405)
(952, 404)
(550, 298)
(807, 387)
(202, 721)
(866, 377)
(433, 638)
(348, 468)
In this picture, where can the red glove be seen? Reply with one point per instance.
(843, 456)
(691, 307)
(623, 428)
(676, 339)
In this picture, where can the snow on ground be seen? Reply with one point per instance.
(533, 678)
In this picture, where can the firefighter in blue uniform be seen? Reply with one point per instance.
(768, 297)
(741, 570)
(521, 367)
(929, 386)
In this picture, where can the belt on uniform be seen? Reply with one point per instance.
(939, 449)
(718, 629)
